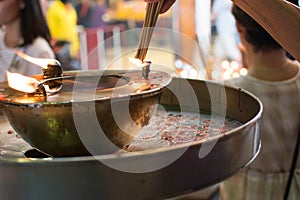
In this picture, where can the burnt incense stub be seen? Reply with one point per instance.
(146, 69)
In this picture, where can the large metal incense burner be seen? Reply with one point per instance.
(47, 122)
(143, 175)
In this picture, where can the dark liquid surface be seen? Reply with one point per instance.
(170, 128)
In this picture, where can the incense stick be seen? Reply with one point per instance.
(152, 12)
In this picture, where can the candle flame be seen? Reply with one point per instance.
(21, 83)
(42, 62)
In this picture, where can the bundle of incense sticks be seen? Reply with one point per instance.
(152, 12)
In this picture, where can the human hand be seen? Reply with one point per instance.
(166, 5)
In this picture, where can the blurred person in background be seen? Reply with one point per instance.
(111, 16)
(275, 80)
(280, 18)
(23, 28)
(91, 13)
(84, 13)
(62, 22)
(99, 10)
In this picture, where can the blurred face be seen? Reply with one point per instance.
(10, 11)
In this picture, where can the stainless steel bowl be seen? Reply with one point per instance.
(91, 107)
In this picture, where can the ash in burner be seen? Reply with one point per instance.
(175, 128)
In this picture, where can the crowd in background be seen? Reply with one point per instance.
(66, 18)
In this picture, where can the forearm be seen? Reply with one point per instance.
(279, 18)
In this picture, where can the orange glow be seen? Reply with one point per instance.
(42, 62)
(137, 62)
(21, 83)
(142, 87)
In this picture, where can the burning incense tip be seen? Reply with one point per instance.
(146, 69)
(144, 64)
(137, 62)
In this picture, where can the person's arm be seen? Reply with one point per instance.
(166, 5)
(280, 18)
